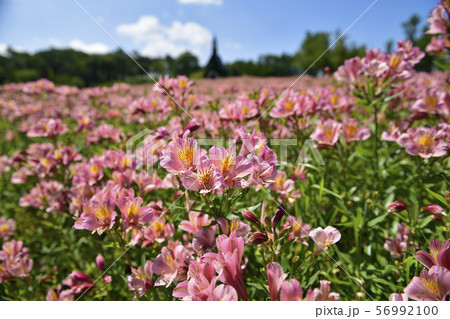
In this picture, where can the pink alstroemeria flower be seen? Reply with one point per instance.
(353, 132)
(47, 127)
(327, 133)
(324, 238)
(299, 229)
(141, 281)
(78, 282)
(397, 246)
(170, 265)
(223, 293)
(398, 297)
(182, 154)
(14, 260)
(439, 23)
(196, 222)
(285, 187)
(205, 179)
(432, 285)
(291, 290)
(394, 132)
(228, 263)
(323, 294)
(275, 277)
(133, 213)
(233, 169)
(439, 254)
(201, 283)
(7, 227)
(286, 106)
(97, 216)
(425, 142)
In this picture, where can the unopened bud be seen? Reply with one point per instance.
(447, 197)
(437, 211)
(248, 215)
(396, 207)
(257, 238)
(192, 126)
(279, 213)
(100, 262)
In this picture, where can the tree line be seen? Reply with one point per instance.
(67, 66)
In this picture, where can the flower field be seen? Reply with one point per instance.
(328, 188)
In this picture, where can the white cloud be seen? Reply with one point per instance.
(158, 40)
(94, 48)
(55, 43)
(206, 2)
(3, 49)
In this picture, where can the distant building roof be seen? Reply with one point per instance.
(215, 67)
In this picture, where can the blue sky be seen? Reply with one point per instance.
(245, 28)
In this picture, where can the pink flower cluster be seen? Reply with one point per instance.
(439, 26)
(14, 260)
(434, 280)
(327, 132)
(223, 168)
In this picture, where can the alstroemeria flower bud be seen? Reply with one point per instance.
(437, 211)
(279, 213)
(396, 207)
(100, 262)
(257, 238)
(248, 215)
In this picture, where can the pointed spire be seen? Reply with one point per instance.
(215, 67)
(214, 46)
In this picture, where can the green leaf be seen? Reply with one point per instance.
(254, 207)
(312, 279)
(425, 221)
(377, 220)
(325, 190)
(438, 197)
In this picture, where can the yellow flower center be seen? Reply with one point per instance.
(192, 98)
(329, 133)
(351, 129)
(228, 163)
(186, 155)
(126, 161)
(279, 180)
(245, 110)
(431, 101)
(45, 162)
(94, 168)
(425, 141)
(395, 60)
(182, 83)
(101, 212)
(431, 285)
(334, 99)
(205, 176)
(168, 259)
(289, 105)
(4, 228)
(158, 226)
(132, 210)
